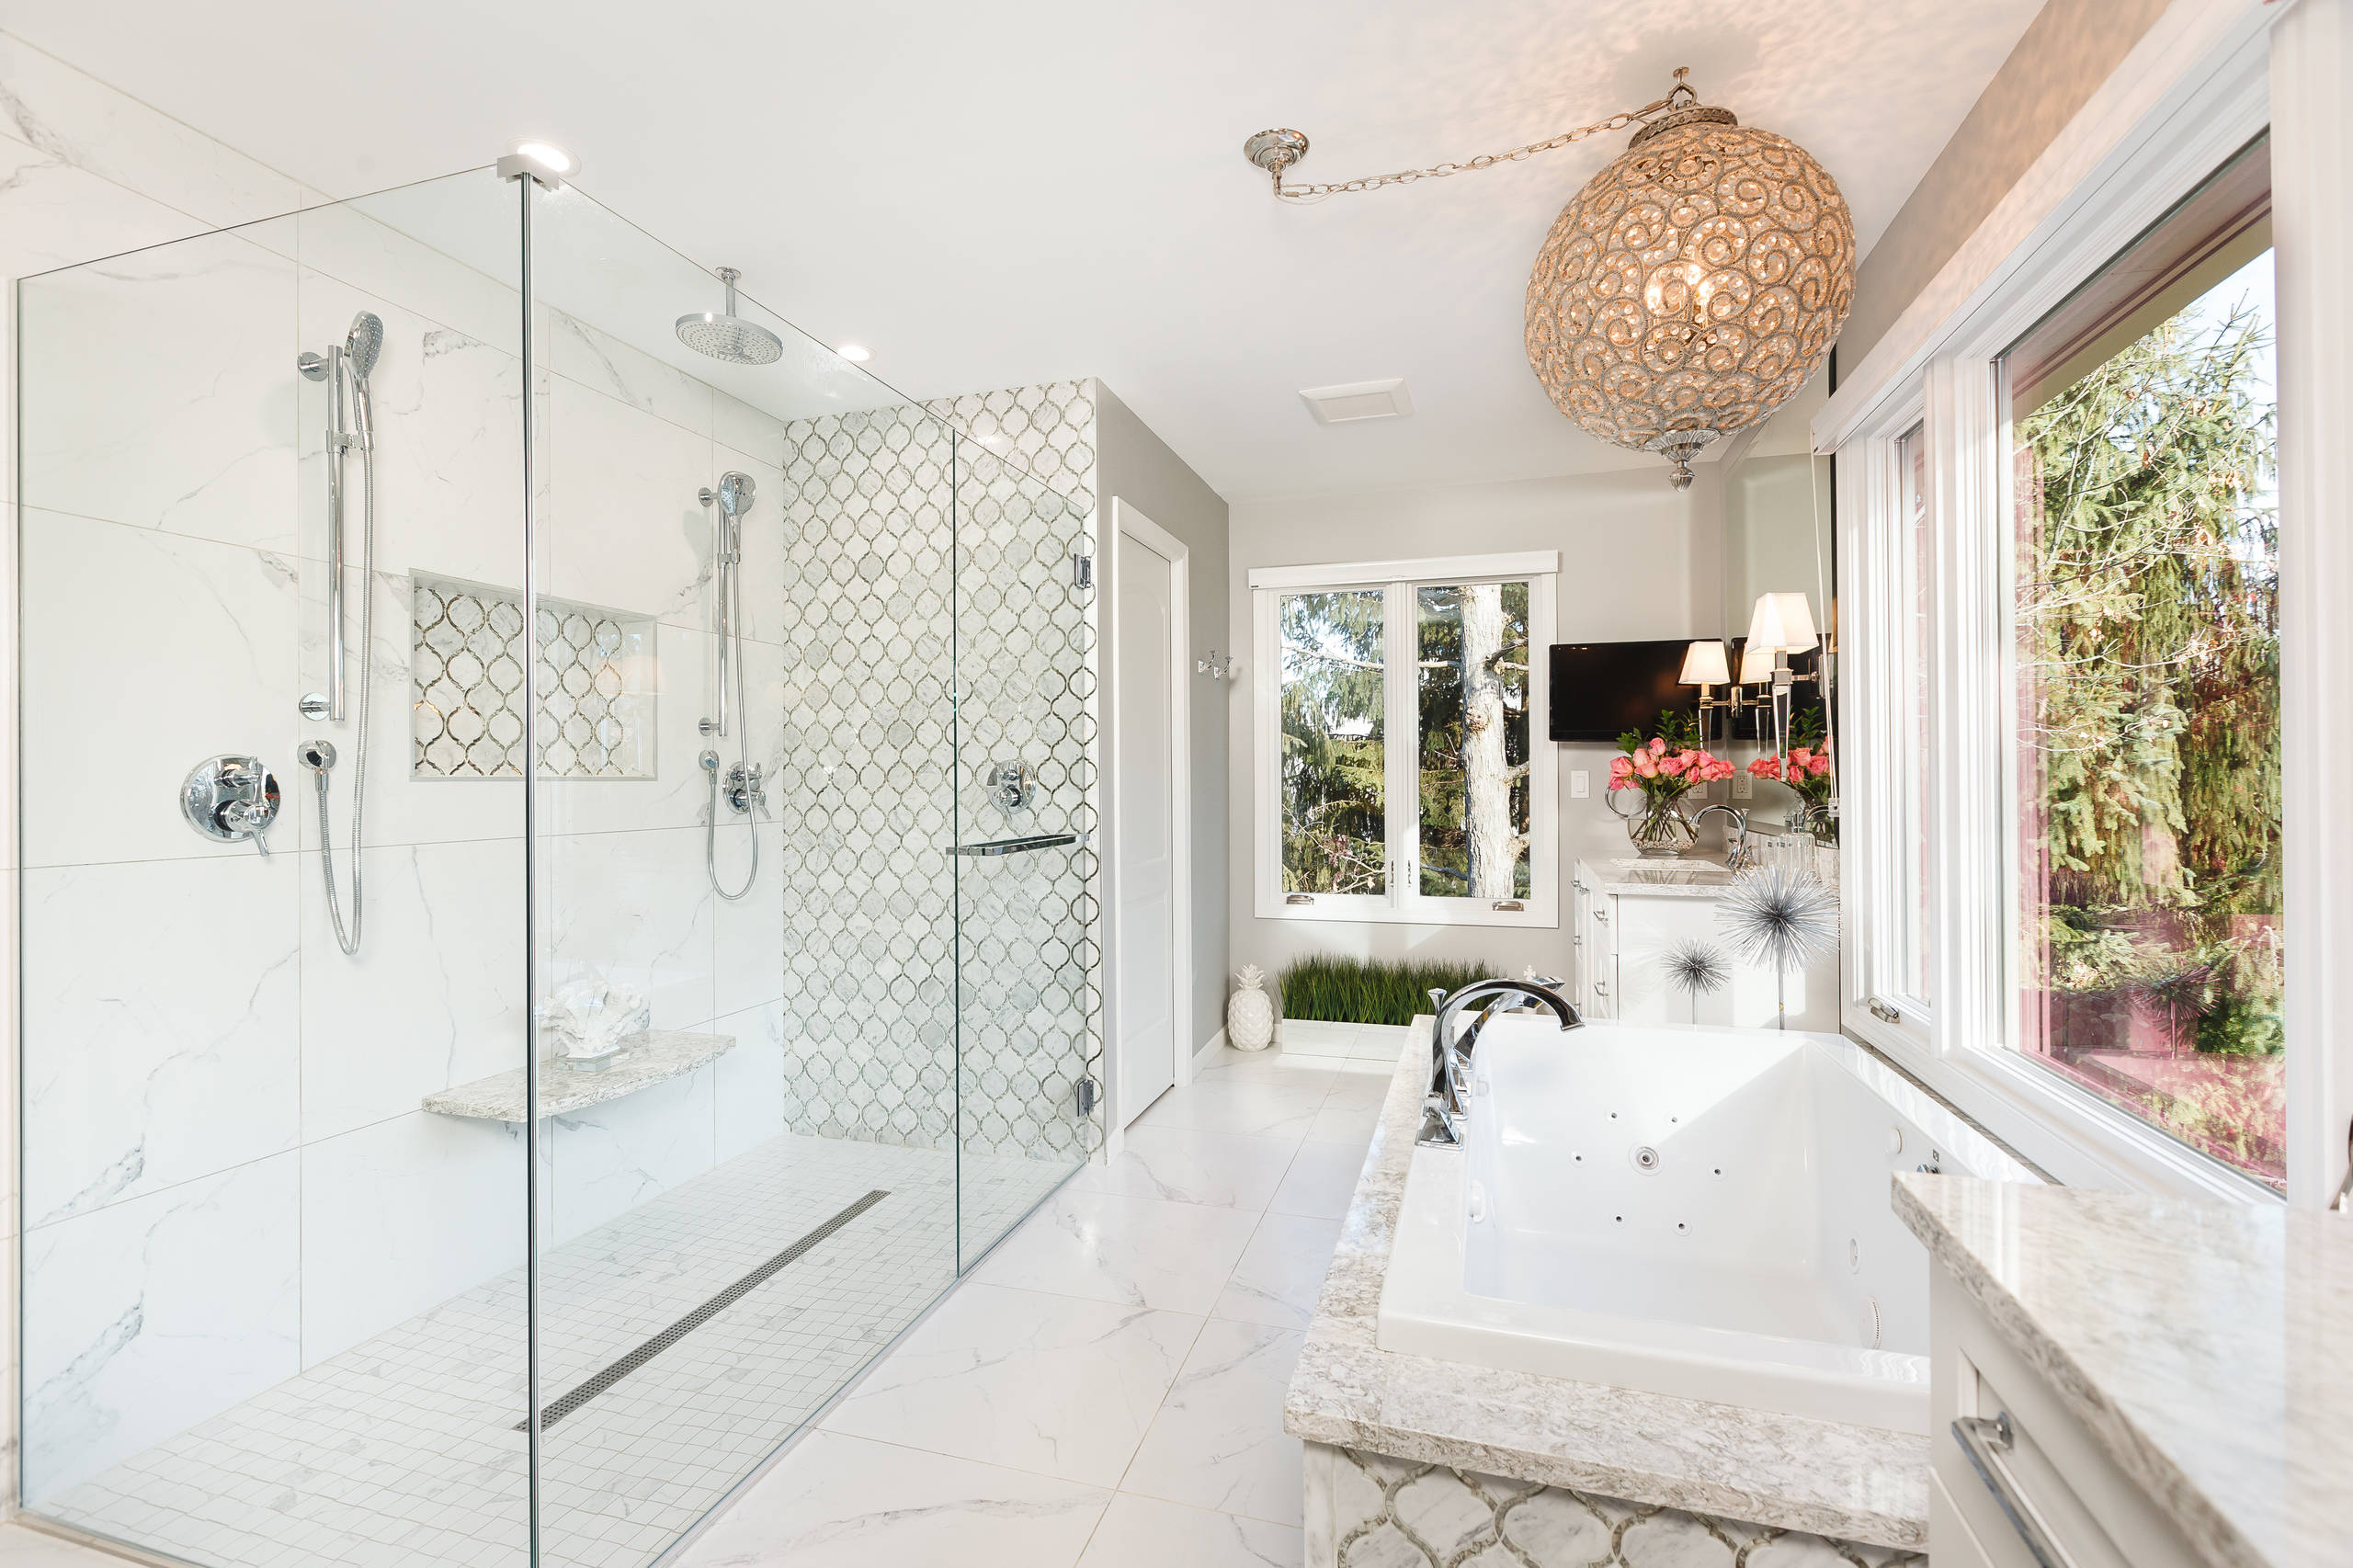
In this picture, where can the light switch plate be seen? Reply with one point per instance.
(1580, 784)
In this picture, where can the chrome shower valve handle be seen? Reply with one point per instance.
(230, 799)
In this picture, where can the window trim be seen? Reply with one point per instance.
(1541, 570)
(2207, 108)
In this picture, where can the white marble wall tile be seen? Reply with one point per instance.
(611, 1157)
(199, 440)
(1045, 1383)
(1218, 1441)
(1144, 1532)
(603, 363)
(624, 529)
(146, 1317)
(52, 214)
(434, 998)
(631, 907)
(747, 966)
(81, 121)
(747, 1083)
(180, 643)
(737, 425)
(1138, 1250)
(840, 1502)
(449, 249)
(401, 1216)
(159, 1026)
(448, 423)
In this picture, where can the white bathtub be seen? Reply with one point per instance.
(1700, 1212)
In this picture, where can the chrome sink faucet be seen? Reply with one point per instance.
(1736, 857)
(1444, 1109)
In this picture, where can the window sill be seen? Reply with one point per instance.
(1537, 916)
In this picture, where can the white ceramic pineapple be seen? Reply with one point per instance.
(1250, 1015)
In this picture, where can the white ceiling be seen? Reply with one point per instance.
(992, 195)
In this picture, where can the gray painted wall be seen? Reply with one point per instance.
(1637, 561)
(1135, 466)
(2068, 51)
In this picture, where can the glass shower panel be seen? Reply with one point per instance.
(273, 1285)
(748, 1187)
(1028, 969)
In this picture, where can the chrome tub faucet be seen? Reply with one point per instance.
(1444, 1109)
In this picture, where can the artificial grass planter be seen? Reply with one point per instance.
(1369, 991)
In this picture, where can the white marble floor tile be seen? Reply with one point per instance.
(1341, 1123)
(1282, 1271)
(1138, 1252)
(854, 1503)
(1322, 1179)
(1144, 1532)
(1218, 1441)
(1046, 1383)
(1358, 1091)
(1259, 1108)
(1185, 1165)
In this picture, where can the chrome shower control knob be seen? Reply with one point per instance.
(230, 799)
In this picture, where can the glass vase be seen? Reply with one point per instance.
(1662, 830)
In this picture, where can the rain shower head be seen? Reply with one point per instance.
(723, 334)
(365, 342)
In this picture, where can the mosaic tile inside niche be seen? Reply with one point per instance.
(870, 783)
(597, 680)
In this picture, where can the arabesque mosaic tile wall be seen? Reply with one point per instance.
(925, 549)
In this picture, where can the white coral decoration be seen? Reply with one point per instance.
(1781, 917)
(1250, 1015)
(1697, 969)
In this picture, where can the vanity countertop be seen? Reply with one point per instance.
(1854, 1482)
(1693, 878)
(2208, 1347)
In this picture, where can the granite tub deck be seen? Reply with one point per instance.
(2207, 1347)
(1849, 1483)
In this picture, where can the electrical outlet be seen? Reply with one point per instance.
(1580, 784)
(1742, 786)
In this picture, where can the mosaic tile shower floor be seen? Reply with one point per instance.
(402, 1450)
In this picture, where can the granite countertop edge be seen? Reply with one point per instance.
(1853, 1483)
(2138, 1455)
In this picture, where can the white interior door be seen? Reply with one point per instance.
(1144, 828)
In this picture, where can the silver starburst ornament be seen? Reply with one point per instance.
(1781, 917)
(1697, 969)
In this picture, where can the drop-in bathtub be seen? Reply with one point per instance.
(1700, 1212)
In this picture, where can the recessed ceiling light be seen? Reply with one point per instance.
(855, 353)
(548, 153)
(1347, 404)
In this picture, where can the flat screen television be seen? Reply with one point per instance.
(1599, 691)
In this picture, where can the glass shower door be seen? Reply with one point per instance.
(272, 1271)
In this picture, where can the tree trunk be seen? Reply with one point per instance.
(1486, 773)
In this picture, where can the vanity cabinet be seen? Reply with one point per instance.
(1630, 918)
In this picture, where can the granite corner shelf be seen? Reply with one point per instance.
(659, 1056)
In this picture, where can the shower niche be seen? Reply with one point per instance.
(598, 686)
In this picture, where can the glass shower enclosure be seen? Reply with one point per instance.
(557, 907)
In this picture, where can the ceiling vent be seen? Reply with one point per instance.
(1359, 400)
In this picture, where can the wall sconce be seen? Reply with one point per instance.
(1215, 667)
(1782, 624)
(1705, 666)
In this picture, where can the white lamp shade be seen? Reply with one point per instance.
(1756, 665)
(1704, 664)
(1781, 621)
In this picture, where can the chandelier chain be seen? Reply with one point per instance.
(1679, 98)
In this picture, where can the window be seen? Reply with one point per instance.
(1911, 979)
(2144, 598)
(1401, 765)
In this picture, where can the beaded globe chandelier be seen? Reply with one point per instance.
(1687, 291)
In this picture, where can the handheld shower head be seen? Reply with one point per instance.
(735, 492)
(365, 341)
(725, 336)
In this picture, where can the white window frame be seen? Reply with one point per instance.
(1404, 903)
(2198, 86)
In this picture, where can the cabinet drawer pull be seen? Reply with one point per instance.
(1987, 1443)
(1602, 916)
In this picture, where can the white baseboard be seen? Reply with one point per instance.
(1208, 1050)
